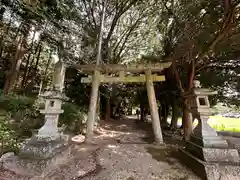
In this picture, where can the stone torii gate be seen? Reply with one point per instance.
(100, 74)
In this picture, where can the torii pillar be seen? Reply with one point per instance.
(92, 106)
(153, 108)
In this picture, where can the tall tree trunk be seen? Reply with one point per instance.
(187, 115)
(27, 62)
(43, 83)
(15, 39)
(165, 112)
(142, 111)
(38, 58)
(16, 62)
(5, 34)
(174, 120)
(160, 113)
(108, 109)
(29, 69)
(187, 120)
(34, 73)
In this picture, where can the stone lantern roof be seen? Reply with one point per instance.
(198, 90)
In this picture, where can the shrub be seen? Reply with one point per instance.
(8, 138)
(22, 114)
(73, 118)
(22, 117)
(14, 103)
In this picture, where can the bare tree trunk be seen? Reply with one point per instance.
(29, 69)
(160, 113)
(187, 120)
(16, 62)
(165, 112)
(43, 83)
(142, 111)
(27, 62)
(174, 120)
(187, 115)
(15, 39)
(34, 72)
(5, 34)
(108, 109)
(38, 57)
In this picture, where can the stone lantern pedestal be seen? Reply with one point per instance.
(206, 152)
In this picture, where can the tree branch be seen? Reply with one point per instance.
(119, 12)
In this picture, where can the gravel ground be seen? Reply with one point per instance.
(120, 154)
(133, 162)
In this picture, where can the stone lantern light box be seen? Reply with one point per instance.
(199, 101)
(53, 104)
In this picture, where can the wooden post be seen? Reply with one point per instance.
(153, 108)
(92, 106)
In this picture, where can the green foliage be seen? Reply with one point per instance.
(8, 138)
(23, 114)
(73, 118)
(77, 91)
(15, 103)
(19, 117)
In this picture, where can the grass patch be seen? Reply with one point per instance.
(219, 123)
(224, 123)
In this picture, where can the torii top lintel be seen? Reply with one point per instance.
(113, 68)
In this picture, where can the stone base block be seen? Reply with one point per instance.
(210, 142)
(209, 170)
(34, 162)
(206, 171)
(213, 154)
(36, 149)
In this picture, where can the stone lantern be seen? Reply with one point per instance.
(48, 141)
(203, 134)
(48, 146)
(205, 151)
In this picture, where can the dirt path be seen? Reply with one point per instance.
(120, 153)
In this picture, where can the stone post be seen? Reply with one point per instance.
(153, 108)
(58, 76)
